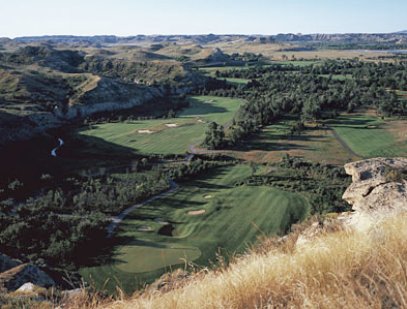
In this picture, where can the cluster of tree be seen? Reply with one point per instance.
(165, 107)
(314, 92)
(197, 166)
(54, 226)
(63, 226)
(214, 136)
(322, 184)
(248, 57)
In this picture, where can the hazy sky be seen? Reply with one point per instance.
(130, 17)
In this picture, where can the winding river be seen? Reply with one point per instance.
(54, 151)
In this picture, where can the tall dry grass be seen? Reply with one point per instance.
(337, 270)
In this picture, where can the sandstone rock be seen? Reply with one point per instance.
(316, 229)
(379, 190)
(14, 278)
(26, 288)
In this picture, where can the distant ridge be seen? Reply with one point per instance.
(359, 38)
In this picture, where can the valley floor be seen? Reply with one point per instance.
(204, 217)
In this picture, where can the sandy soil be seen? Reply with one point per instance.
(145, 131)
(196, 212)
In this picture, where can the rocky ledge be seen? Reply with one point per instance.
(378, 189)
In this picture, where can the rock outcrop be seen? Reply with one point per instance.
(12, 279)
(378, 190)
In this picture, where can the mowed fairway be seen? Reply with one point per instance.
(369, 136)
(316, 144)
(168, 136)
(203, 217)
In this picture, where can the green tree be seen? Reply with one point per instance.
(214, 136)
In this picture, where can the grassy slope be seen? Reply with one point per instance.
(368, 136)
(169, 140)
(234, 217)
(314, 144)
(339, 270)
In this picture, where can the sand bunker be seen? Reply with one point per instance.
(207, 196)
(145, 228)
(201, 121)
(145, 131)
(171, 125)
(372, 127)
(161, 221)
(196, 212)
(209, 101)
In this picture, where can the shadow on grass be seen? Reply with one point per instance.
(351, 122)
(202, 108)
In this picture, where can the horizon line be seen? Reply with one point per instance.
(195, 34)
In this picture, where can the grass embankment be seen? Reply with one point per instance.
(339, 270)
(357, 136)
(316, 144)
(370, 136)
(168, 136)
(229, 219)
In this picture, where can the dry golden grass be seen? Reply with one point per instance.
(336, 270)
(274, 51)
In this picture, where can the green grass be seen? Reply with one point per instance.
(191, 127)
(297, 63)
(341, 77)
(235, 81)
(367, 136)
(315, 144)
(234, 217)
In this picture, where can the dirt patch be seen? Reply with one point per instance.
(145, 131)
(166, 230)
(196, 212)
